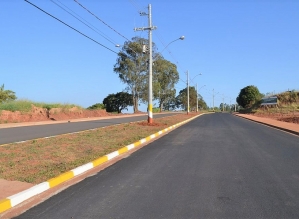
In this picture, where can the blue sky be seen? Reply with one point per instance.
(232, 43)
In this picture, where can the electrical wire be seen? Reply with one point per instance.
(101, 20)
(70, 26)
(135, 5)
(105, 24)
(85, 23)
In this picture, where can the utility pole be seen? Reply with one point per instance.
(223, 103)
(213, 99)
(196, 99)
(150, 63)
(187, 92)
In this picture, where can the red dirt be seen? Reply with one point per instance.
(55, 114)
(149, 124)
(290, 117)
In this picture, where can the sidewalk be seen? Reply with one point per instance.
(285, 126)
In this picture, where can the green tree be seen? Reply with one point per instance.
(6, 95)
(118, 102)
(165, 76)
(132, 68)
(249, 96)
(182, 100)
(97, 106)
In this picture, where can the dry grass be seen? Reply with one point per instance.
(38, 160)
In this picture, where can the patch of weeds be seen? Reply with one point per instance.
(11, 164)
(28, 179)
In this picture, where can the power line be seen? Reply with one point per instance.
(101, 20)
(135, 5)
(70, 26)
(72, 14)
(85, 23)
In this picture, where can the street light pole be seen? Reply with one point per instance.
(187, 92)
(181, 38)
(222, 102)
(213, 100)
(196, 99)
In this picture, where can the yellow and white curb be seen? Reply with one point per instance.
(18, 198)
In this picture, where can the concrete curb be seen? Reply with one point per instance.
(20, 197)
(270, 125)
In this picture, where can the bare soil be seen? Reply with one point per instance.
(55, 114)
(286, 117)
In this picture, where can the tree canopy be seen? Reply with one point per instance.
(248, 96)
(165, 76)
(131, 67)
(182, 99)
(6, 95)
(118, 102)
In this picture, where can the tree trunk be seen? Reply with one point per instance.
(135, 101)
(161, 106)
(135, 104)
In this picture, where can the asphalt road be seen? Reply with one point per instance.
(16, 134)
(217, 166)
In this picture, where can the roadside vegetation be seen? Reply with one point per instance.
(26, 105)
(35, 161)
(284, 108)
(6, 95)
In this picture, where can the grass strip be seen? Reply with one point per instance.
(38, 160)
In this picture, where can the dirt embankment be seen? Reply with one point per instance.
(55, 114)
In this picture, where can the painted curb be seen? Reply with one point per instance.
(20, 197)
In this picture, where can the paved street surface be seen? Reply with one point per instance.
(15, 134)
(217, 166)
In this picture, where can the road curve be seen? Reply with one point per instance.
(216, 166)
(16, 134)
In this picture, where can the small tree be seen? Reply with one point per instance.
(97, 106)
(6, 95)
(118, 102)
(249, 96)
(165, 76)
(182, 99)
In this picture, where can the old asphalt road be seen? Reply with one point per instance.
(16, 134)
(216, 166)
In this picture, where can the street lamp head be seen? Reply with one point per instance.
(182, 38)
(117, 45)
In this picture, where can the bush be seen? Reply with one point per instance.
(96, 106)
(26, 105)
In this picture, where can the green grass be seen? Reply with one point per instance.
(26, 105)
